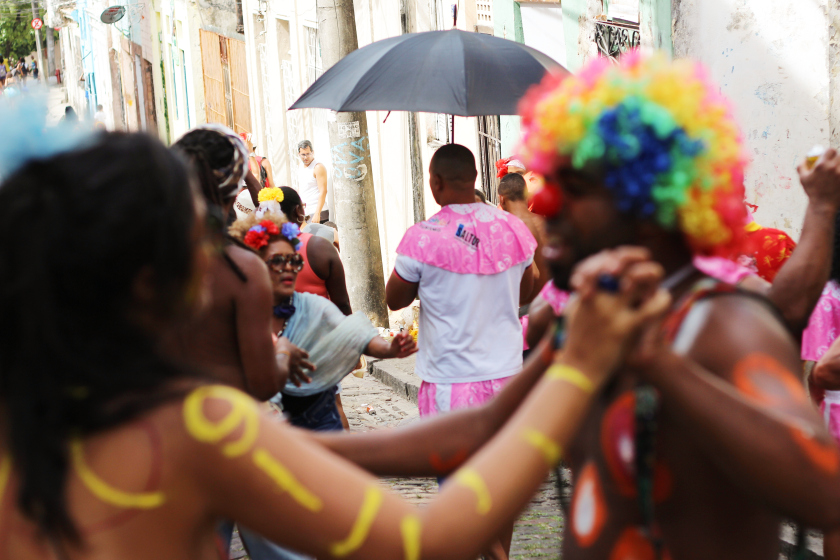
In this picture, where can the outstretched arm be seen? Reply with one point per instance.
(800, 281)
(735, 393)
(330, 508)
(438, 445)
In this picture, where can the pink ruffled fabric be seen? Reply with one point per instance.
(469, 239)
(824, 325)
(437, 398)
(555, 297)
(722, 269)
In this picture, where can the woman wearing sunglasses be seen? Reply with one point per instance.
(335, 342)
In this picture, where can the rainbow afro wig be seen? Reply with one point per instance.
(660, 132)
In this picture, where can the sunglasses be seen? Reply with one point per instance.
(279, 262)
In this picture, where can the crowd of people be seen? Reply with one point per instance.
(177, 327)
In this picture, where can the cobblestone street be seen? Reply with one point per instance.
(370, 405)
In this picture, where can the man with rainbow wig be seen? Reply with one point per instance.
(706, 438)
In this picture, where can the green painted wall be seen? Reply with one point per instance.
(655, 18)
(572, 12)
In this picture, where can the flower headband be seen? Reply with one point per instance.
(259, 235)
(665, 139)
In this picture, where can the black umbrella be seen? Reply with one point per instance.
(453, 72)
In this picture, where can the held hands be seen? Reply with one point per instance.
(822, 181)
(297, 361)
(402, 346)
(603, 327)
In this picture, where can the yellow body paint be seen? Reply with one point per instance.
(550, 449)
(370, 507)
(570, 375)
(472, 480)
(411, 527)
(5, 472)
(284, 478)
(243, 409)
(106, 492)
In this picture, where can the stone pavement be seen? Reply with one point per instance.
(372, 405)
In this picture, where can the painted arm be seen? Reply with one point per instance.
(799, 283)
(399, 293)
(736, 396)
(330, 508)
(438, 445)
(321, 179)
(253, 306)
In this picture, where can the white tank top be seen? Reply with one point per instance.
(308, 189)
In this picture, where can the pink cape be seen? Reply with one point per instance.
(469, 239)
(824, 325)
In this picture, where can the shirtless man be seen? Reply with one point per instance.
(706, 439)
(512, 198)
(231, 337)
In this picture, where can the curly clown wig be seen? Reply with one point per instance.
(660, 132)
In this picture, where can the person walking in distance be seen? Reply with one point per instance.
(513, 198)
(471, 266)
(313, 185)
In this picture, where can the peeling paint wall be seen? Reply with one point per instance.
(771, 58)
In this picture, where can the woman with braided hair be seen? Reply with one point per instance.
(231, 339)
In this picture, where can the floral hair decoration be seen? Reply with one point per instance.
(260, 234)
(270, 193)
(664, 138)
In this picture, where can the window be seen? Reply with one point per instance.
(313, 56)
(484, 12)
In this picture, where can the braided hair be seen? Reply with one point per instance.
(77, 229)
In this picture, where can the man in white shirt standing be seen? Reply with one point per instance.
(312, 186)
(470, 264)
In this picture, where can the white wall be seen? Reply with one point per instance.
(542, 26)
(770, 57)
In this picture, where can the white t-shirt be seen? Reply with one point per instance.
(469, 323)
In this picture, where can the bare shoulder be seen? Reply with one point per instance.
(322, 246)
(722, 331)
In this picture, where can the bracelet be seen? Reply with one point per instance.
(571, 375)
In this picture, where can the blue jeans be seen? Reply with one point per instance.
(321, 416)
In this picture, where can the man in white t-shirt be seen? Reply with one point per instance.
(470, 264)
(312, 186)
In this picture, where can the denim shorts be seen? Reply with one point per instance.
(321, 416)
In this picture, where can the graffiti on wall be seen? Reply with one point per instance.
(348, 158)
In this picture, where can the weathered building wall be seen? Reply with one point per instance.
(771, 58)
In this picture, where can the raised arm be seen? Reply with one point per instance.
(253, 305)
(251, 470)
(735, 393)
(800, 281)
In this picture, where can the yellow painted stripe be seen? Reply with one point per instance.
(243, 409)
(287, 482)
(5, 472)
(571, 375)
(370, 507)
(472, 480)
(549, 448)
(106, 492)
(411, 528)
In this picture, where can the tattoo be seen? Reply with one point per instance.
(243, 409)
(824, 455)
(370, 507)
(471, 479)
(106, 492)
(411, 528)
(444, 466)
(549, 448)
(570, 375)
(589, 510)
(287, 482)
(763, 378)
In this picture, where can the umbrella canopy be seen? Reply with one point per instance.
(453, 72)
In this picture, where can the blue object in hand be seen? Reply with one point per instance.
(608, 283)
